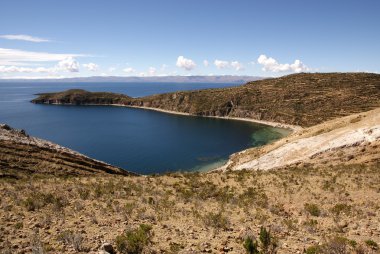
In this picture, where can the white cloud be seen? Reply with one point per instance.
(33, 77)
(23, 37)
(91, 66)
(220, 64)
(129, 70)
(111, 69)
(237, 66)
(15, 69)
(185, 63)
(270, 64)
(205, 63)
(68, 64)
(21, 57)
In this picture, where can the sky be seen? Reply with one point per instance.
(72, 38)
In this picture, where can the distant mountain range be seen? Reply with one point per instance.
(189, 79)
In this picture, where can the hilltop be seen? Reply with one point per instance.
(304, 99)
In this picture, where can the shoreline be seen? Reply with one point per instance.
(293, 128)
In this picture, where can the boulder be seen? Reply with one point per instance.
(106, 248)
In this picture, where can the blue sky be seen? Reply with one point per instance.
(136, 38)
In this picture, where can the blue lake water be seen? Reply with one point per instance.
(139, 140)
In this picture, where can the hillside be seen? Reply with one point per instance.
(349, 140)
(22, 155)
(300, 208)
(300, 99)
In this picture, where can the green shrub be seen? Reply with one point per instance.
(372, 244)
(19, 225)
(268, 244)
(265, 239)
(251, 246)
(313, 209)
(134, 241)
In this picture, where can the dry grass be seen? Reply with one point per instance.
(214, 212)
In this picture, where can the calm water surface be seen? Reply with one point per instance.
(139, 140)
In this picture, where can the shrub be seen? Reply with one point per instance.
(265, 238)
(134, 241)
(216, 220)
(372, 244)
(71, 238)
(30, 204)
(19, 225)
(268, 243)
(251, 246)
(339, 208)
(313, 209)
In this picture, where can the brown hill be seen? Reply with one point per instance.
(304, 99)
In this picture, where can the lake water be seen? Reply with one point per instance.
(139, 140)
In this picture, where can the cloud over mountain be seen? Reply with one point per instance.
(271, 64)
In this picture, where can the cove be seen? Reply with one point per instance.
(138, 140)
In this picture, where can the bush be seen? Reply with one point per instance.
(134, 241)
(339, 208)
(216, 220)
(71, 238)
(19, 225)
(372, 244)
(265, 239)
(313, 209)
(268, 243)
(251, 246)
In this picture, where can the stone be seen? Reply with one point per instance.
(107, 249)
